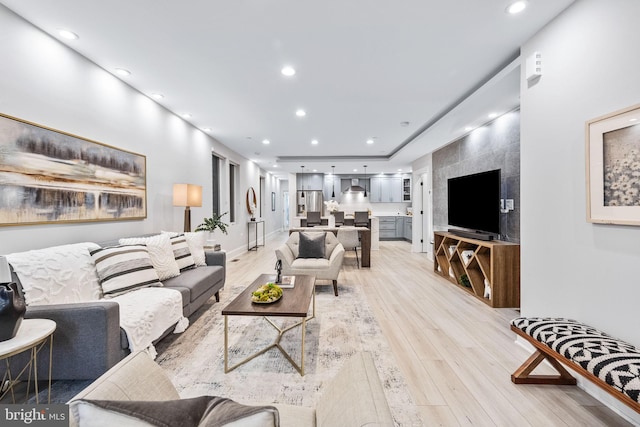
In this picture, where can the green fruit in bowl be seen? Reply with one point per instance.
(269, 292)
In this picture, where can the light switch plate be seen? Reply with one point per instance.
(510, 204)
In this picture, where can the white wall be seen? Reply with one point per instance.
(570, 267)
(44, 82)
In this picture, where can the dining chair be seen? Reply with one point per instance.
(313, 218)
(348, 236)
(339, 218)
(361, 219)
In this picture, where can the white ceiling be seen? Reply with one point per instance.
(363, 67)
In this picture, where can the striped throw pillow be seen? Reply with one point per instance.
(124, 268)
(181, 252)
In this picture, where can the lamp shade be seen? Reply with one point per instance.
(187, 195)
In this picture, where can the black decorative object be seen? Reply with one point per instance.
(333, 180)
(12, 309)
(279, 271)
(365, 180)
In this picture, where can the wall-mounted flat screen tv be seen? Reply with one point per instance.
(474, 201)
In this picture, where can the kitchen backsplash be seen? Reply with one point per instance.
(350, 203)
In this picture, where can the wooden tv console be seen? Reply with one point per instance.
(469, 262)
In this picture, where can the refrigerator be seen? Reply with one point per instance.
(313, 200)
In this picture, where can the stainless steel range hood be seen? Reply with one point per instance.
(355, 187)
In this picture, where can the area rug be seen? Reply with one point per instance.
(343, 325)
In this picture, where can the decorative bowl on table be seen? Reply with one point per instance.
(267, 294)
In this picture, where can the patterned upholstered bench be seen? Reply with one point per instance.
(610, 363)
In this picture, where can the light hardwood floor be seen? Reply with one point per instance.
(456, 353)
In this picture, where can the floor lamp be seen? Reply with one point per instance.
(187, 195)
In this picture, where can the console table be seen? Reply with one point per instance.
(255, 223)
(489, 270)
(32, 336)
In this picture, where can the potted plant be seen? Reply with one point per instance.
(211, 224)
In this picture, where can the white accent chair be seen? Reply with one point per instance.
(327, 268)
(353, 397)
(348, 237)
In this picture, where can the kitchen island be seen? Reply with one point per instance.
(328, 221)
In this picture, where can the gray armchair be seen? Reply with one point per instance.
(361, 219)
(326, 268)
(313, 218)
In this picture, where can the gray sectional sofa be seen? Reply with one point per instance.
(88, 339)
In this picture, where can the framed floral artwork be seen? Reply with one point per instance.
(613, 167)
(48, 176)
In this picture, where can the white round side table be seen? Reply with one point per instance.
(32, 336)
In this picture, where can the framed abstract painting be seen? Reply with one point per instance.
(49, 176)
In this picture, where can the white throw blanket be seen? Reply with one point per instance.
(146, 313)
(57, 275)
(67, 274)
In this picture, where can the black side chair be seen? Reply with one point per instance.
(313, 219)
(361, 219)
(339, 217)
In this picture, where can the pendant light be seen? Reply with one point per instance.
(302, 180)
(365, 180)
(333, 181)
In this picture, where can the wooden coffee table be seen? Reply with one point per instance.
(294, 303)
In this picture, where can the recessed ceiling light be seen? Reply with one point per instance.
(186, 116)
(493, 115)
(301, 113)
(355, 170)
(399, 170)
(468, 129)
(122, 72)
(275, 166)
(157, 96)
(314, 142)
(517, 7)
(288, 71)
(69, 35)
(266, 142)
(315, 170)
(369, 141)
(206, 129)
(633, 120)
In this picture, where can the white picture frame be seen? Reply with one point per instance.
(613, 167)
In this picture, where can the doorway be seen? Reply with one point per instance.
(422, 214)
(285, 210)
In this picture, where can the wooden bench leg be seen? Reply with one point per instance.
(522, 375)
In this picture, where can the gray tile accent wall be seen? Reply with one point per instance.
(494, 146)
